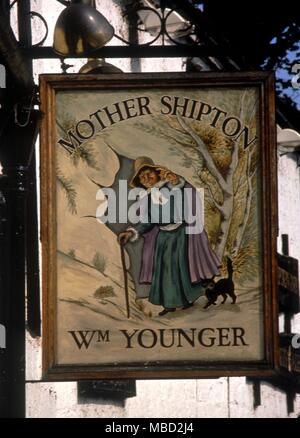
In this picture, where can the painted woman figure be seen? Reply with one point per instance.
(175, 260)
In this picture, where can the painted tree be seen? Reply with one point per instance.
(83, 152)
(222, 167)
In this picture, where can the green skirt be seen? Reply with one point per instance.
(171, 285)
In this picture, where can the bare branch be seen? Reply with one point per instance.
(253, 174)
(249, 194)
(207, 157)
(213, 199)
(239, 184)
(235, 153)
(234, 162)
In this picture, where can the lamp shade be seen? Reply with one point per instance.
(80, 29)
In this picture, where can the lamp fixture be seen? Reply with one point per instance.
(99, 66)
(288, 140)
(80, 29)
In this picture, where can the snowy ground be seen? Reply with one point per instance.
(79, 309)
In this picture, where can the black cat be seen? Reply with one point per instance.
(223, 287)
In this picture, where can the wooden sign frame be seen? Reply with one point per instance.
(231, 116)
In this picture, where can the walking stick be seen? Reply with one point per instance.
(125, 279)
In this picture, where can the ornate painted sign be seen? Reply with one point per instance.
(158, 225)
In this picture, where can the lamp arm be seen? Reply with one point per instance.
(64, 2)
(68, 2)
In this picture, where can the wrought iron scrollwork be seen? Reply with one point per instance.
(188, 31)
(162, 14)
(37, 14)
(139, 28)
(43, 20)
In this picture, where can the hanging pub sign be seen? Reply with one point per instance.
(159, 221)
